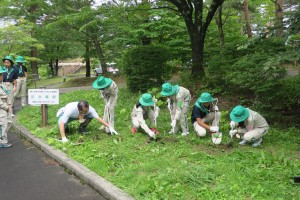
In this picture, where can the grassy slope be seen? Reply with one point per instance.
(176, 167)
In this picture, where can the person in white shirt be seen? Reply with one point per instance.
(80, 111)
(251, 126)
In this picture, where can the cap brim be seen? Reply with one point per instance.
(233, 118)
(95, 85)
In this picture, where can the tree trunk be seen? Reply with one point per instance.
(87, 59)
(100, 53)
(56, 67)
(33, 63)
(279, 18)
(51, 67)
(219, 22)
(192, 13)
(247, 18)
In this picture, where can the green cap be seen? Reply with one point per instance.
(20, 59)
(2, 70)
(168, 89)
(205, 97)
(239, 114)
(8, 58)
(101, 82)
(146, 100)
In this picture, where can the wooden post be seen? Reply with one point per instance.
(44, 108)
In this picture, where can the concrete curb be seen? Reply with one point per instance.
(104, 187)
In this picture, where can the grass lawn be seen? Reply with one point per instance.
(175, 167)
(46, 82)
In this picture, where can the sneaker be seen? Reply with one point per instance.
(243, 142)
(133, 130)
(83, 130)
(5, 145)
(185, 133)
(257, 142)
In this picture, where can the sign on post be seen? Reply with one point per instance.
(43, 96)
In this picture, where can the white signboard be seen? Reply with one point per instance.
(43, 96)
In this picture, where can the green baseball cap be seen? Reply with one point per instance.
(168, 89)
(8, 58)
(205, 97)
(101, 82)
(146, 100)
(239, 114)
(2, 70)
(20, 59)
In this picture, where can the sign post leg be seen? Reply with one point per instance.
(44, 114)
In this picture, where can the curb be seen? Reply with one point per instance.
(104, 187)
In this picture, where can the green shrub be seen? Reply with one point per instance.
(146, 67)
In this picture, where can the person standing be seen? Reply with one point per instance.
(4, 109)
(143, 110)
(204, 112)
(82, 112)
(178, 103)
(250, 125)
(109, 91)
(21, 81)
(10, 77)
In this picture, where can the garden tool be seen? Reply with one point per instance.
(170, 110)
(155, 111)
(231, 136)
(216, 137)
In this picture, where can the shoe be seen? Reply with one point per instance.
(154, 130)
(133, 130)
(102, 128)
(185, 133)
(243, 142)
(5, 145)
(257, 142)
(83, 130)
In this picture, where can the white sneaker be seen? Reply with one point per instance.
(185, 133)
(243, 142)
(257, 142)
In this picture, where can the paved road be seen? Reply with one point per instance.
(26, 173)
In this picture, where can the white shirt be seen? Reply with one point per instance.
(71, 111)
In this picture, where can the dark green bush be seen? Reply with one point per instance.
(146, 67)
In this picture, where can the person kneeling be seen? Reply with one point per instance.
(203, 112)
(80, 111)
(250, 125)
(141, 111)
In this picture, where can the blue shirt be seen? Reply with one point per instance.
(21, 70)
(10, 75)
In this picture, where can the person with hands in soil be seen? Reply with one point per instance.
(204, 112)
(251, 126)
(178, 103)
(109, 92)
(143, 110)
(4, 110)
(82, 112)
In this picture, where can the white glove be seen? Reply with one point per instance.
(232, 124)
(64, 140)
(232, 132)
(152, 134)
(173, 124)
(113, 131)
(169, 103)
(216, 108)
(214, 129)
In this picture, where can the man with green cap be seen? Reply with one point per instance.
(109, 92)
(10, 77)
(250, 125)
(21, 81)
(143, 110)
(178, 103)
(4, 109)
(205, 111)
